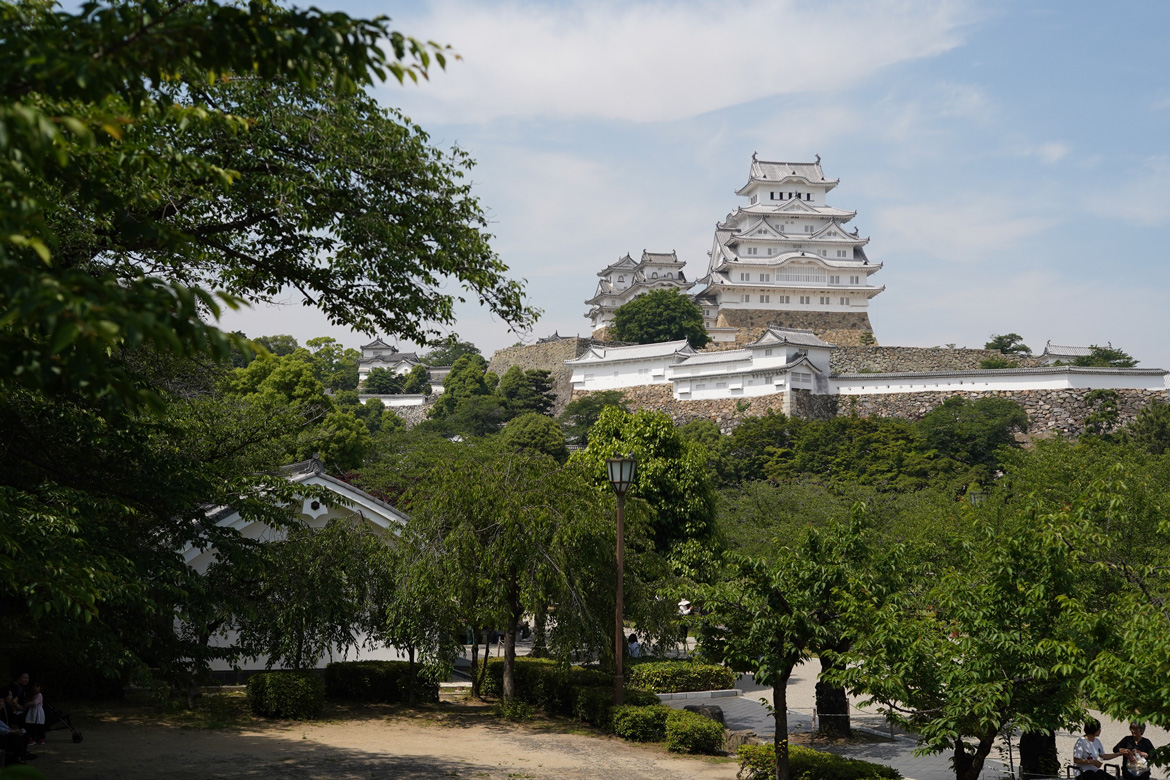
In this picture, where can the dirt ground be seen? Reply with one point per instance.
(137, 740)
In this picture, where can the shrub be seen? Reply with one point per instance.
(380, 681)
(641, 724)
(689, 732)
(540, 682)
(997, 362)
(514, 710)
(594, 705)
(293, 695)
(674, 676)
(758, 762)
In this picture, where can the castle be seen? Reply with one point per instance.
(785, 259)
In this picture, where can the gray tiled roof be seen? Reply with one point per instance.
(723, 356)
(796, 336)
(635, 352)
(1056, 350)
(660, 258)
(394, 357)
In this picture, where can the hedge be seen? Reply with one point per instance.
(758, 762)
(294, 695)
(689, 732)
(380, 681)
(640, 723)
(675, 676)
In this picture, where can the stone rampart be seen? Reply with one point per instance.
(1060, 411)
(836, 327)
(896, 360)
(1049, 411)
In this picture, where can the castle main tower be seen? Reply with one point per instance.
(785, 259)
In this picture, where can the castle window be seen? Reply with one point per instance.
(654, 275)
(808, 228)
(844, 301)
(782, 299)
(767, 353)
(720, 385)
(621, 278)
(747, 298)
(840, 253)
(765, 277)
(745, 277)
(806, 299)
(668, 275)
(753, 200)
(854, 280)
(701, 386)
(765, 299)
(808, 196)
(824, 300)
(643, 371)
(834, 280)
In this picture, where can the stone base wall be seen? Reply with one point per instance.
(893, 360)
(1049, 411)
(413, 415)
(836, 327)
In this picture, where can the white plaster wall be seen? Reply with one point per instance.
(614, 376)
(398, 401)
(981, 381)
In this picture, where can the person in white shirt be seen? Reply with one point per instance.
(1089, 754)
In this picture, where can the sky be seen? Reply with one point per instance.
(1009, 161)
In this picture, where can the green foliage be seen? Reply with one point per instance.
(536, 433)
(1008, 344)
(513, 709)
(594, 705)
(641, 724)
(448, 351)
(1105, 357)
(292, 695)
(974, 432)
(755, 443)
(539, 681)
(526, 392)
(335, 366)
(378, 681)
(417, 381)
(1150, 429)
(1105, 413)
(280, 345)
(671, 477)
(660, 315)
(581, 414)
(689, 732)
(466, 380)
(314, 593)
(997, 362)
(675, 676)
(383, 381)
(758, 762)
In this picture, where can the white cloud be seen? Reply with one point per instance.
(663, 61)
(1052, 152)
(959, 232)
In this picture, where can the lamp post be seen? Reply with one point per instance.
(621, 472)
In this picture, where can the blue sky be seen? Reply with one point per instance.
(1010, 162)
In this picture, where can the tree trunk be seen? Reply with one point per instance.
(968, 766)
(780, 714)
(1038, 756)
(832, 707)
(476, 677)
(514, 613)
(410, 676)
(539, 635)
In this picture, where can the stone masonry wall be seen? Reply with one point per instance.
(1050, 411)
(883, 360)
(844, 328)
(548, 355)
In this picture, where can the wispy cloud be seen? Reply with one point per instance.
(647, 62)
(958, 232)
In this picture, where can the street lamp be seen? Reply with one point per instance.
(622, 471)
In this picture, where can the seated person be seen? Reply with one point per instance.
(1089, 754)
(1137, 750)
(14, 742)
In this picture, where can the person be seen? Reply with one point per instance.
(1089, 754)
(635, 646)
(34, 715)
(14, 700)
(1136, 749)
(15, 742)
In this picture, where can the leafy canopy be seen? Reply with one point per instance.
(660, 315)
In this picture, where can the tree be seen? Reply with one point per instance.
(959, 654)
(581, 413)
(671, 477)
(526, 391)
(974, 433)
(1150, 429)
(279, 345)
(660, 315)
(383, 381)
(1105, 357)
(1104, 414)
(449, 350)
(336, 366)
(94, 262)
(417, 382)
(1008, 344)
(500, 533)
(468, 378)
(316, 593)
(758, 441)
(536, 433)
